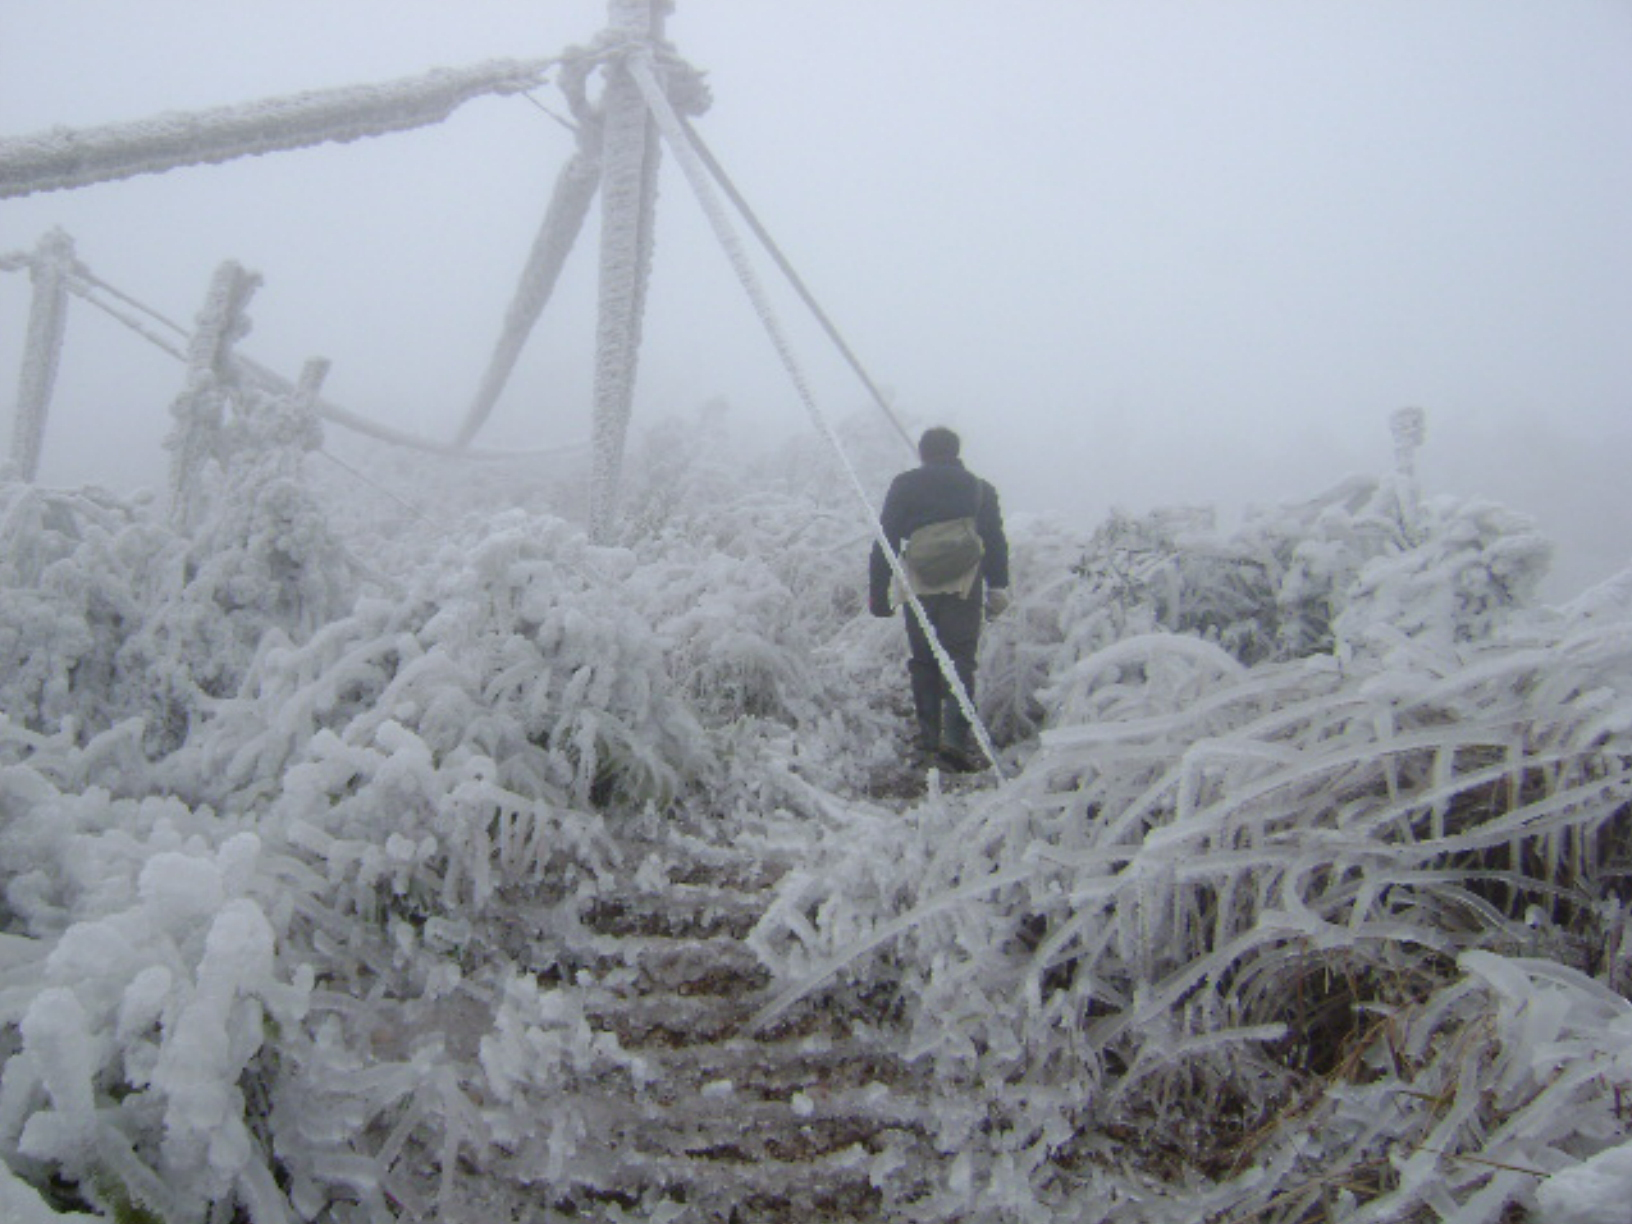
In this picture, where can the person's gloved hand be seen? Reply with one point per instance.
(879, 605)
(997, 600)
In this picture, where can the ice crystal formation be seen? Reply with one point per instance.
(360, 864)
(515, 873)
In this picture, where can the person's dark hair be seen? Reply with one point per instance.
(938, 442)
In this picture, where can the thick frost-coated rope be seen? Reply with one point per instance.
(640, 69)
(64, 157)
(563, 219)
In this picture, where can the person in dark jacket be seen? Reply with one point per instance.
(941, 489)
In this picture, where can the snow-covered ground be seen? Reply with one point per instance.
(1304, 896)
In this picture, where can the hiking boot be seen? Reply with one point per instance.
(960, 760)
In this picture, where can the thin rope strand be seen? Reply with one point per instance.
(380, 489)
(80, 270)
(87, 293)
(775, 252)
(564, 122)
(85, 285)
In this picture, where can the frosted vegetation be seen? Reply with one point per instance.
(1306, 899)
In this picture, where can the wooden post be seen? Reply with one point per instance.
(198, 410)
(302, 431)
(1409, 427)
(629, 161)
(42, 352)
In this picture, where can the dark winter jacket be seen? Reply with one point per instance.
(932, 493)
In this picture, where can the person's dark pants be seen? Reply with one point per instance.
(941, 722)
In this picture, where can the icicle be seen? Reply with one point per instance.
(42, 352)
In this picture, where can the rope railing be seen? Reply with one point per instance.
(90, 288)
(86, 288)
(64, 158)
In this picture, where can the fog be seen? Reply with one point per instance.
(1137, 253)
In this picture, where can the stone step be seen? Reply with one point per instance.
(757, 1070)
(691, 861)
(694, 913)
(665, 1021)
(896, 1179)
(815, 1117)
(795, 1131)
(639, 965)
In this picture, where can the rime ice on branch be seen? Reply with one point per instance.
(68, 157)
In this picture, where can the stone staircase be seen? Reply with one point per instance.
(817, 1118)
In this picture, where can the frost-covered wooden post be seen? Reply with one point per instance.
(299, 430)
(200, 407)
(1409, 426)
(629, 161)
(42, 352)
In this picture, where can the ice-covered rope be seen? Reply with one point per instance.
(69, 157)
(85, 285)
(569, 203)
(85, 288)
(640, 69)
(270, 380)
(775, 252)
(562, 120)
(378, 488)
(85, 274)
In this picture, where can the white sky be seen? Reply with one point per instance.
(1138, 251)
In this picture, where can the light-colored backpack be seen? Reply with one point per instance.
(944, 558)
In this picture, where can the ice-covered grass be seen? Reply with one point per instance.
(1306, 899)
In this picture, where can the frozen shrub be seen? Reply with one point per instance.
(79, 572)
(1310, 879)
(1308, 578)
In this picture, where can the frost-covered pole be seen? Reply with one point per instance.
(200, 407)
(42, 351)
(1409, 426)
(302, 431)
(629, 159)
